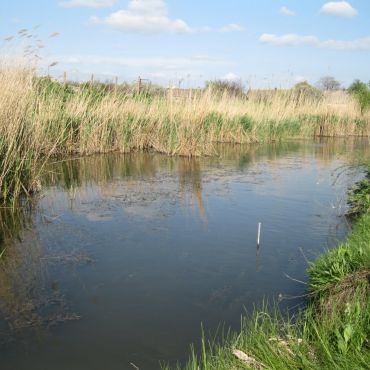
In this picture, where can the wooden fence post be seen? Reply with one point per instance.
(139, 85)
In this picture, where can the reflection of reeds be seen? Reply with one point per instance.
(13, 222)
(131, 177)
(27, 297)
(20, 286)
(40, 117)
(189, 171)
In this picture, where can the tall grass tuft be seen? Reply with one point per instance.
(18, 150)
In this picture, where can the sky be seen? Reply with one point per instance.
(264, 43)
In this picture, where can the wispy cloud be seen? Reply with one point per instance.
(87, 3)
(339, 8)
(287, 12)
(166, 63)
(358, 44)
(288, 39)
(293, 39)
(232, 27)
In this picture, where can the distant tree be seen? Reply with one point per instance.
(357, 86)
(328, 83)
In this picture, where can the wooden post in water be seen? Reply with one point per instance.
(259, 234)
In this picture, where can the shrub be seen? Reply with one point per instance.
(305, 91)
(231, 88)
(361, 92)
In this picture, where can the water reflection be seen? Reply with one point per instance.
(20, 268)
(145, 247)
(118, 176)
(28, 298)
(190, 181)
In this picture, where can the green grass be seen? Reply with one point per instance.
(332, 332)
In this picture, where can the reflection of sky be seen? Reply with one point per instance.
(173, 242)
(151, 186)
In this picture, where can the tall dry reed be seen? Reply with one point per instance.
(40, 117)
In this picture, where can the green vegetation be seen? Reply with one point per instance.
(359, 196)
(230, 88)
(333, 332)
(305, 91)
(40, 117)
(361, 91)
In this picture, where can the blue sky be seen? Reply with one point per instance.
(266, 43)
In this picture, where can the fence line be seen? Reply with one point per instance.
(138, 86)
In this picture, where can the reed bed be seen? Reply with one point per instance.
(40, 118)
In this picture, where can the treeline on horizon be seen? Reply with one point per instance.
(234, 88)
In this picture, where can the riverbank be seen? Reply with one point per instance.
(40, 118)
(331, 333)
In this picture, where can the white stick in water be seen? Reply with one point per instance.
(259, 233)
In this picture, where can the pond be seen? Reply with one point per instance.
(122, 258)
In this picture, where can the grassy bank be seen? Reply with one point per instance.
(41, 118)
(333, 332)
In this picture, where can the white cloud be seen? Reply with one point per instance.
(151, 16)
(232, 27)
(359, 44)
(289, 39)
(87, 3)
(293, 39)
(299, 78)
(286, 11)
(232, 77)
(144, 16)
(339, 8)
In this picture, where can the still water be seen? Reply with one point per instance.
(121, 258)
